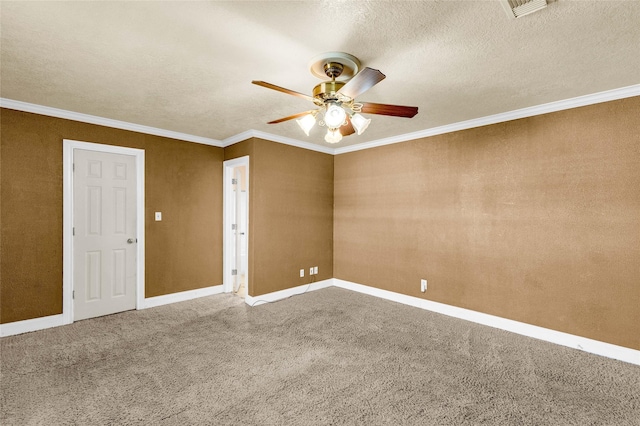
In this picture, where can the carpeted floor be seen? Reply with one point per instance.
(328, 357)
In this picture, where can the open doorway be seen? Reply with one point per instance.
(236, 226)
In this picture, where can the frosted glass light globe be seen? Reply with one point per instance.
(333, 136)
(335, 116)
(360, 123)
(306, 123)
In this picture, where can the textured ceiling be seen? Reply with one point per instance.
(187, 66)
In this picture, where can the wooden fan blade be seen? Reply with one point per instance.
(291, 117)
(347, 129)
(384, 109)
(282, 89)
(361, 82)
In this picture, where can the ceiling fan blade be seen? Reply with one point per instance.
(291, 117)
(282, 89)
(361, 82)
(384, 109)
(347, 129)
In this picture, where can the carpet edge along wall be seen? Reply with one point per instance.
(535, 220)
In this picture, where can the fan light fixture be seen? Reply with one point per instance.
(335, 99)
(360, 123)
(335, 116)
(306, 123)
(333, 136)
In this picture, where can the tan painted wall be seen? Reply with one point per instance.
(290, 214)
(535, 220)
(183, 180)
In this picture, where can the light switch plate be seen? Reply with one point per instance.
(301, 273)
(158, 216)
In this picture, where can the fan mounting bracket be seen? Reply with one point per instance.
(324, 65)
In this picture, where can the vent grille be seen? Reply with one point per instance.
(519, 8)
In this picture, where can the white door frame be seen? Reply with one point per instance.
(227, 235)
(68, 146)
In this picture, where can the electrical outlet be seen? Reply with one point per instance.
(315, 270)
(301, 273)
(423, 285)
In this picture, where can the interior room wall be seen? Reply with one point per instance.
(183, 180)
(290, 214)
(536, 220)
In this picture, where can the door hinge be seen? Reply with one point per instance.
(234, 227)
(73, 294)
(73, 167)
(234, 272)
(234, 181)
(73, 231)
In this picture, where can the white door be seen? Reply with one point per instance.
(239, 261)
(104, 241)
(236, 226)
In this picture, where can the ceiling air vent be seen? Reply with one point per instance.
(519, 8)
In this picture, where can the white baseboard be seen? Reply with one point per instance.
(565, 339)
(596, 347)
(182, 296)
(283, 294)
(35, 324)
(26, 326)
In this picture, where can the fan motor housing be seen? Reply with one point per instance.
(327, 90)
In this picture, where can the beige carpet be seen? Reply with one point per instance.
(324, 358)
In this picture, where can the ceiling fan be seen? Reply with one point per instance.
(336, 98)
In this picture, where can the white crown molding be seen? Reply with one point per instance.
(595, 98)
(276, 138)
(107, 122)
(237, 138)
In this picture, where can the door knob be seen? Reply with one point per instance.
(131, 241)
